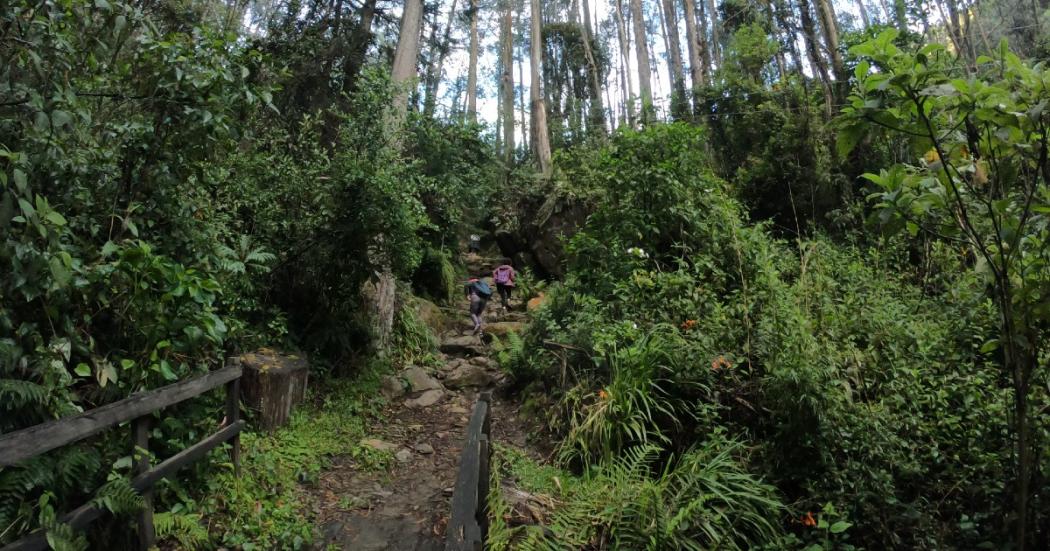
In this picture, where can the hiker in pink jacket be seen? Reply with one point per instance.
(504, 275)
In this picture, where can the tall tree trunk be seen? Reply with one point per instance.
(521, 94)
(596, 113)
(625, 59)
(716, 32)
(786, 27)
(641, 49)
(679, 101)
(403, 74)
(696, 70)
(472, 70)
(705, 45)
(359, 43)
(830, 27)
(809, 34)
(539, 110)
(507, 84)
(436, 68)
(863, 14)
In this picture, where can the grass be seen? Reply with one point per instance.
(268, 507)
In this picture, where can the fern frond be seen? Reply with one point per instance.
(118, 497)
(15, 394)
(183, 527)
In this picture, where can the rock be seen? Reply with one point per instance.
(484, 361)
(419, 380)
(391, 387)
(501, 329)
(534, 303)
(427, 399)
(403, 455)
(377, 444)
(462, 345)
(431, 315)
(468, 375)
(424, 448)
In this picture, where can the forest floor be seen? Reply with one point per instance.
(406, 507)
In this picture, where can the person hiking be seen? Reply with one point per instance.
(504, 275)
(478, 293)
(474, 245)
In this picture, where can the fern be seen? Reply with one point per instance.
(118, 497)
(16, 394)
(183, 527)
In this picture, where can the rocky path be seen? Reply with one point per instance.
(406, 508)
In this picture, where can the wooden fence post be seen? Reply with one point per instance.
(141, 461)
(233, 414)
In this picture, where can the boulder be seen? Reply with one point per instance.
(424, 448)
(500, 329)
(485, 362)
(419, 380)
(468, 375)
(391, 387)
(431, 315)
(467, 344)
(427, 399)
(404, 455)
(377, 444)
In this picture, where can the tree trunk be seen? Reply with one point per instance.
(507, 84)
(359, 42)
(539, 110)
(809, 33)
(403, 74)
(521, 89)
(272, 385)
(434, 74)
(679, 100)
(716, 32)
(625, 59)
(705, 45)
(472, 70)
(696, 71)
(596, 113)
(831, 38)
(863, 14)
(641, 49)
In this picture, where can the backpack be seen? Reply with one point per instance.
(503, 274)
(482, 289)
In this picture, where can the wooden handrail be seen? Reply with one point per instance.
(20, 445)
(30, 442)
(468, 521)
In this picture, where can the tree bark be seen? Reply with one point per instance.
(596, 113)
(679, 101)
(809, 34)
(435, 69)
(865, 21)
(829, 25)
(625, 59)
(641, 49)
(716, 32)
(359, 42)
(403, 74)
(507, 84)
(472, 70)
(539, 110)
(696, 70)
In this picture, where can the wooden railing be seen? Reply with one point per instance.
(468, 522)
(28, 443)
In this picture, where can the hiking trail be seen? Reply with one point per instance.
(406, 508)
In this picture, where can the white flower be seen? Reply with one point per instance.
(635, 251)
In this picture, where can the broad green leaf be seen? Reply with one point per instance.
(839, 527)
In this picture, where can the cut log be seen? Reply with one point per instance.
(273, 384)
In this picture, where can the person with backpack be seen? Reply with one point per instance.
(478, 293)
(504, 276)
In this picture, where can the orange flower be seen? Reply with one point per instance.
(720, 362)
(808, 520)
(688, 324)
(603, 395)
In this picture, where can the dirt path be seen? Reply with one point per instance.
(406, 508)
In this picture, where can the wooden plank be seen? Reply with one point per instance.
(147, 536)
(84, 515)
(463, 532)
(233, 414)
(30, 442)
(481, 515)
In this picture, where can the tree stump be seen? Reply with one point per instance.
(272, 385)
